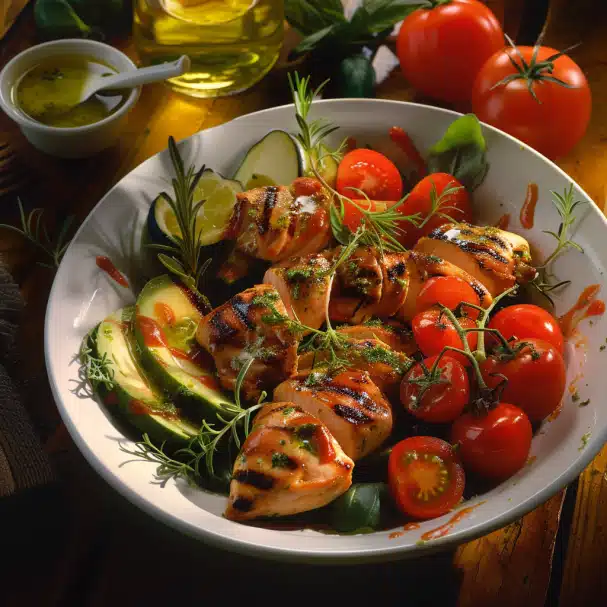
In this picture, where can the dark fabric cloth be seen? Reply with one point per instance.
(23, 462)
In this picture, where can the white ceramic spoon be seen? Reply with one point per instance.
(133, 78)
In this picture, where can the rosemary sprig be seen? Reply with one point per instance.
(96, 369)
(184, 257)
(438, 204)
(565, 205)
(35, 230)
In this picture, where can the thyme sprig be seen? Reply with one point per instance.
(183, 258)
(34, 229)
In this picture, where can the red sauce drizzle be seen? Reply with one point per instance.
(441, 531)
(105, 264)
(407, 527)
(137, 407)
(164, 312)
(403, 141)
(528, 210)
(152, 333)
(503, 223)
(326, 452)
(586, 305)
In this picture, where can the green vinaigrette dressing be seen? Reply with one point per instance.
(49, 92)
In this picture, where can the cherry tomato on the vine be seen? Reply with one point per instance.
(432, 331)
(372, 173)
(536, 377)
(495, 444)
(534, 107)
(440, 402)
(450, 291)
(438, 198)
(425, 477)
(442, 48)
(525, 321)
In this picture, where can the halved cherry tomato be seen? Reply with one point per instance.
(442, 47)
(438, 196)
(433, 331)
(494, 445)
(536, 377)
(525, 321)
(441, 402)
(450, 291)
(425, 477)
(370, 172)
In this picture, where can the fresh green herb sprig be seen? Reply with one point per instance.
(34, 229)
(96, 369)
(183, 258)
(188, 462)
(565, 205)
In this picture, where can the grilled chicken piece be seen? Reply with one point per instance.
(496, 258)
(304, 284)
(384, 366)
(235, 332)
(369, 284)
(420, 267)
(289, 463)
(349, 404)
(277, 222)
(394, 334)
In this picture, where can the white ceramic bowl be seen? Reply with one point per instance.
(82, 295)
(77, 142)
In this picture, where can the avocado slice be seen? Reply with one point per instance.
(165, 328)
(132, 396)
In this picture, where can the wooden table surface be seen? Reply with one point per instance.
(82, 544)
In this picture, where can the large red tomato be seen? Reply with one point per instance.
(442, 48)
(529, 104)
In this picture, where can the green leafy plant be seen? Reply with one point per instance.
(34, 229)
(346, 46)
(359, 510)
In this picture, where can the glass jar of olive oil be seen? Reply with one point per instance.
(232, 43)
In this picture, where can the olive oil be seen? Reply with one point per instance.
(232, 43)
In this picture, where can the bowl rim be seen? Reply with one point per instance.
(300, 554)
(74, 46)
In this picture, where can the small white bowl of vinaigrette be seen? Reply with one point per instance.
(37, 86)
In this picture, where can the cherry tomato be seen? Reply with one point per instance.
(450, 291)
(441, 49)
(353, 216)
(433, 331)
(536, 378)
(553, 122)
(437, 192)
(370, 172)
(441, 402)
(496, 444)
(525, 321)
(425, 477)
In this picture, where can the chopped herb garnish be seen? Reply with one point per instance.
(584, 403)
(281, 460)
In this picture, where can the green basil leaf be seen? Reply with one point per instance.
(359, 509)
(356, 77)
(57, 19)
(374, 16)
(313, 40)
(462, 152)
(310, 16)
(341, 233)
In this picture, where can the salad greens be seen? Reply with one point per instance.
(359, 510)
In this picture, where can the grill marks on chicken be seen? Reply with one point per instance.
(236, 332)
(289, 463)
(496, 258)
(304, 285)
(349, 403)
(277, 222)
(369, 284)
